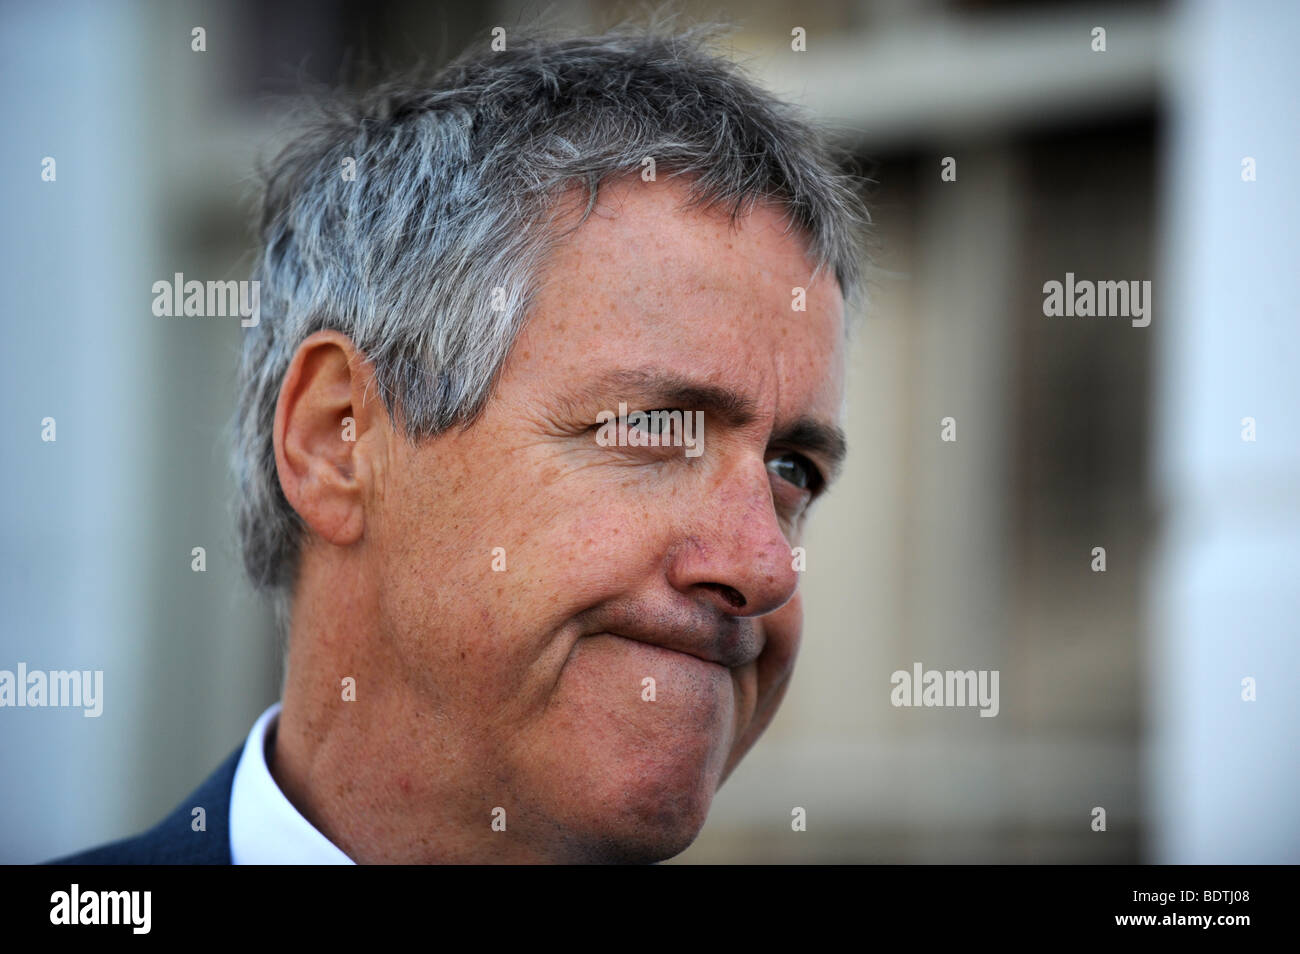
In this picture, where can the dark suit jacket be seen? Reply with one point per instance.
(172, 841)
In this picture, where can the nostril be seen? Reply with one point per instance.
(729, 593)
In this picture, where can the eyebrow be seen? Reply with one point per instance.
(737, 410)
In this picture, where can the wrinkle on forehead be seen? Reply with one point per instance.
(643, 279)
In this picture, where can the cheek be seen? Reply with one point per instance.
(775, 666)
(483, 585)
(784, 630)
(771, 678)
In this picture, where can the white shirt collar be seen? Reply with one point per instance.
(265, 828)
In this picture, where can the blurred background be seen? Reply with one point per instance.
(1119, 689)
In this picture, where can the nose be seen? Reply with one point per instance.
(735, 556)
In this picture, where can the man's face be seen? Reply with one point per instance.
(528, 685)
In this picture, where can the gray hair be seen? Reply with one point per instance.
(453, 198)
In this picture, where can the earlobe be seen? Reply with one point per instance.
(323, 430)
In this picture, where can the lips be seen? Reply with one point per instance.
(671, 655)
(724, 641)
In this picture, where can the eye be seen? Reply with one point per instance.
(652, 421)
(797, 470)
(655, 421)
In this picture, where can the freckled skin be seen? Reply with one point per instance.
(478, 689)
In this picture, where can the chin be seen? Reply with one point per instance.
(648, 831)
(628, 780)
(653, 810)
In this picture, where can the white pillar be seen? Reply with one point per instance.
(1223, 773)
(74, 254)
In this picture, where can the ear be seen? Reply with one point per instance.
(324, 461)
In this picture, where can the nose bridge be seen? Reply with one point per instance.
(751, 516)
(737, 550)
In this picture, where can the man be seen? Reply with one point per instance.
(519, 629)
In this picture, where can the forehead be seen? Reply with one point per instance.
(644, 281)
